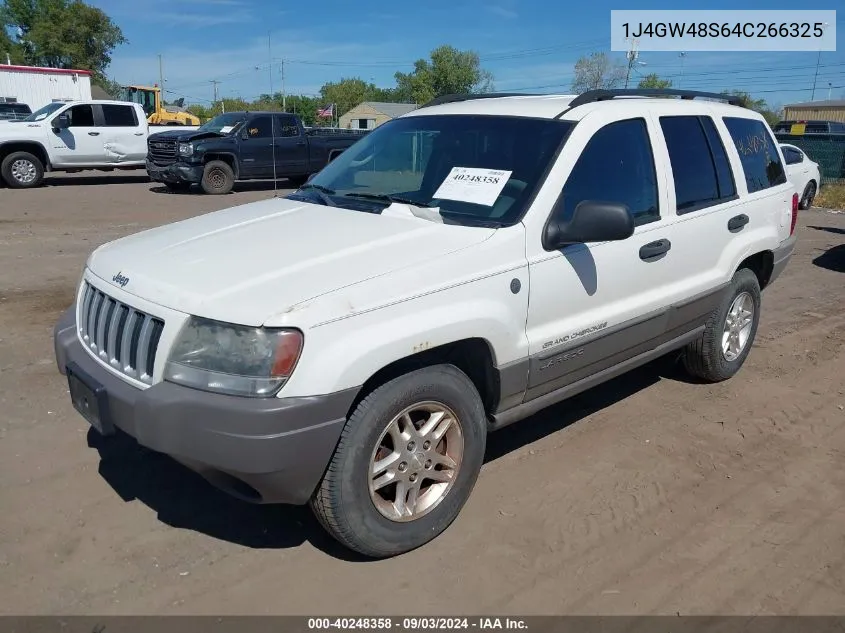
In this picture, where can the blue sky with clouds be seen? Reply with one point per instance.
(527, 44)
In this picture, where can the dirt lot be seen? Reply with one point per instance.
(648, 495)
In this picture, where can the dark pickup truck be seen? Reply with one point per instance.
(240, 146)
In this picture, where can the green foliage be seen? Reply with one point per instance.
(652, 80)
(449, 71)
(60, 34)
(772, 115)
(349, 92)
(595, 72)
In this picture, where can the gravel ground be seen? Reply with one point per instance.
(649, 495)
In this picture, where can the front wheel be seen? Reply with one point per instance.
(406, 463)
(22, 170)
(217, 178)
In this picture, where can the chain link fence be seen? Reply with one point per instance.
(828, 150)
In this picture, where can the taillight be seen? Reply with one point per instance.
(794, 213)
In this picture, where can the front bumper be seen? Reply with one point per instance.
(782, 255)
(262, 450)
(176, 172)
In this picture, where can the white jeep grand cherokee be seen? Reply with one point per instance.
(456, 270)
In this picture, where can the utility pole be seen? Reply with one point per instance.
(829, 88)
(632, 59)
(818, 59)
(682, 55)
(282, 70)
(161, 78)
(270, 58)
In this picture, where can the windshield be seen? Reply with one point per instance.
(222, 123)
(42, 113)
(474, 169)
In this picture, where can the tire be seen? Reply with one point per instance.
(178, 187)
(22, 170)
(217, 178)
(705, 358)
(807, 197)
(358, 518)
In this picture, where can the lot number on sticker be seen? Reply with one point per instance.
(474, 185)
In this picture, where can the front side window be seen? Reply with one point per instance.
(700, 167)
(792, 156)
(617, 165)
(421, 160)
(757, 153)
(259, 127)
(81, 116)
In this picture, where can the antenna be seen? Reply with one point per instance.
(272, 120)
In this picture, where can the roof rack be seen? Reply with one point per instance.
(455, 98)
(591, 96)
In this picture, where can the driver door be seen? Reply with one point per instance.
(82, 142)
(594, 305)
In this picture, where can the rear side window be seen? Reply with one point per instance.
(119, 116)
(699, 164)
(287, 126)
(757, 152)
(617, 165)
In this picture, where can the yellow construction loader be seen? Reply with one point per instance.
(157, 113)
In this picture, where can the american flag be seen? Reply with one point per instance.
(328, 111)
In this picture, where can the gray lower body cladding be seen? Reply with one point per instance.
(262, 450)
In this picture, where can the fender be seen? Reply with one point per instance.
(235, 162)
(346, 353)
(25, 142)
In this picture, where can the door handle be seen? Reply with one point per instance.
(93, 133)
(737, 223)
(139, 134)
(653, 251)
(300, 143)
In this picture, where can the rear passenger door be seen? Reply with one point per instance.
(595, 305)
(124, 136)
(291, 147)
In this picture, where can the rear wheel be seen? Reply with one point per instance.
(22, 170)
(217, 178)
(729, 332)
(809, 195)
(406, 463)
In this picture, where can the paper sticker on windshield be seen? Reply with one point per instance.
(471, 184)
(226, 129)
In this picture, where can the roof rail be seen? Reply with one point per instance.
(591, 96)
(455, 98)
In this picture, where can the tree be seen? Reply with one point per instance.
(348, 93)
(595, 72)
(449, 71)
(61, 33)
(652, 80)
(771, 115)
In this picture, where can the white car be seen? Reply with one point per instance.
(74, 136)
(457, 270)
(803, 172)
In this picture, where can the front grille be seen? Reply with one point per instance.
(162, 151)
(120, 336)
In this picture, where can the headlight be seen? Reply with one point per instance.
(233, 359)
(186, 149)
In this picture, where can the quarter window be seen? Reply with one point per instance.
(757, 153)
(700, 167)
(617, 165)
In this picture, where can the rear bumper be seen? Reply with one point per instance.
(177, 172)
(782, 255)
(262, 450)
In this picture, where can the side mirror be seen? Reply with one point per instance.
(61, 122)
(592, 221)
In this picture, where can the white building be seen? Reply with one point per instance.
(36, 86)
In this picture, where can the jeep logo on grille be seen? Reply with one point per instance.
(120, 280)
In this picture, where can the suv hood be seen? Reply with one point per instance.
(248, 263)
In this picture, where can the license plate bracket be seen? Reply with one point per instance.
(90, 399)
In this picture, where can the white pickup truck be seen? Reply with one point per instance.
(72, 136)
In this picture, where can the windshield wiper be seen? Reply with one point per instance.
(384, 197)
(322, 192)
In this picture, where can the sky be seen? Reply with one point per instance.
(528, 45)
